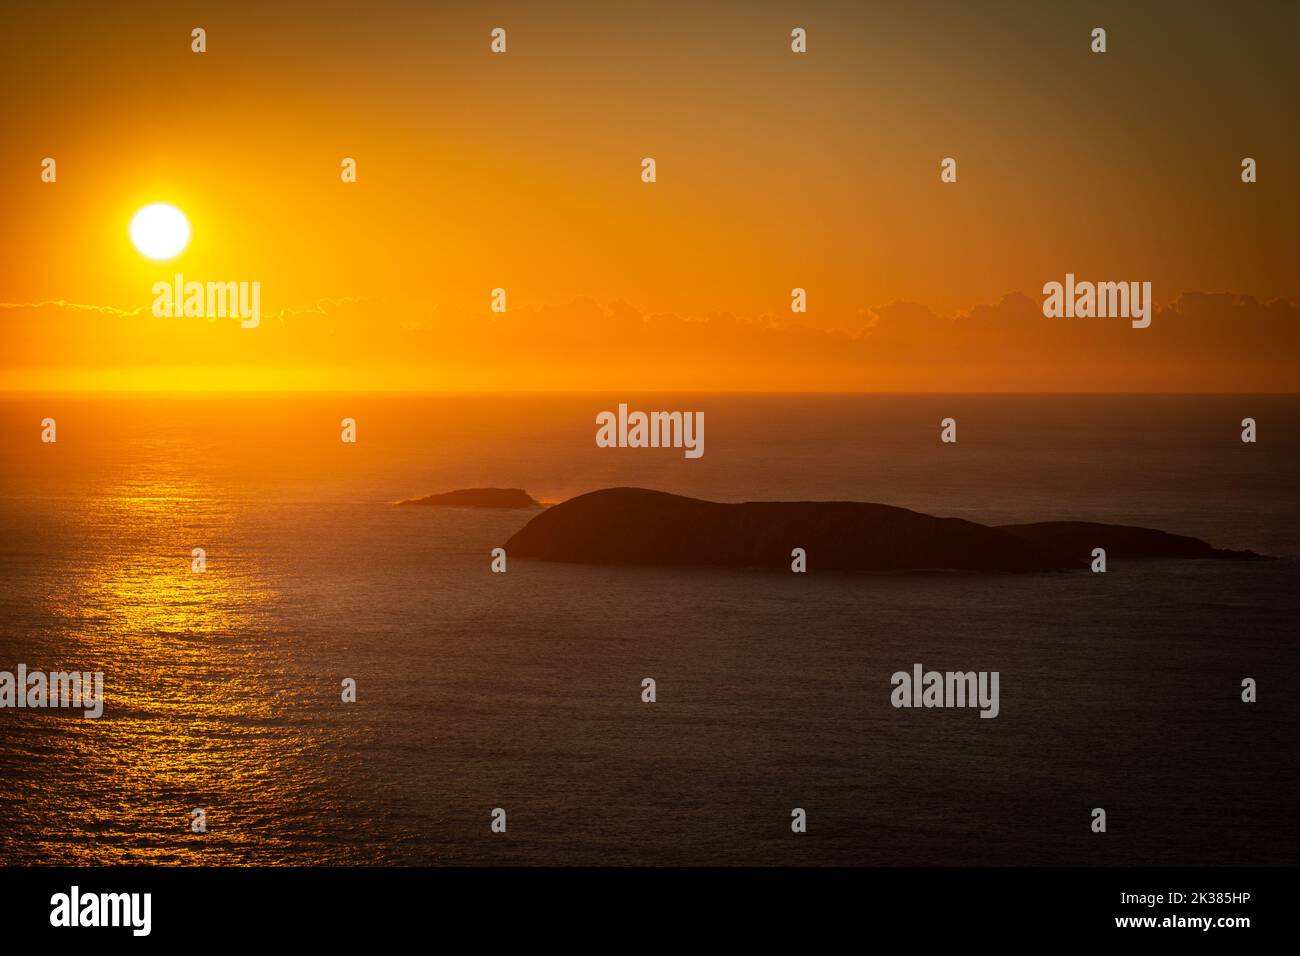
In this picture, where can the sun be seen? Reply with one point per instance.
(160, 231)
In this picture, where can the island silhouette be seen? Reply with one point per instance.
(477, 498)
(638, 526)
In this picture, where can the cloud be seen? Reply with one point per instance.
(71, 307)
(1198, 342)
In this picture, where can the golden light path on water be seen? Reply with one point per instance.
(195, 692)
(523, 690)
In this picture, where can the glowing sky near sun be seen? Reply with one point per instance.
(522, 172)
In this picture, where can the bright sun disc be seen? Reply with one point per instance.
(160, 231)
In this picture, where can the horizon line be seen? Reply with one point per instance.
(4, 392)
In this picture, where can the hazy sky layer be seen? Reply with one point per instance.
(522, 171)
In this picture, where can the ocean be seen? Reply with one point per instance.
(522, 691)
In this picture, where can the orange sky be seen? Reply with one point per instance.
(775, 170)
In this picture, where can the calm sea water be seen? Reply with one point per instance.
(522, 690)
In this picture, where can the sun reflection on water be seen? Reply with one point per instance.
(196, 688)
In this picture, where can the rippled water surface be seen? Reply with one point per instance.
(522, 690)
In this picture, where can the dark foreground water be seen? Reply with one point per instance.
(522, 691)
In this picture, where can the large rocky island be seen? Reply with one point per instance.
(636, 526)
